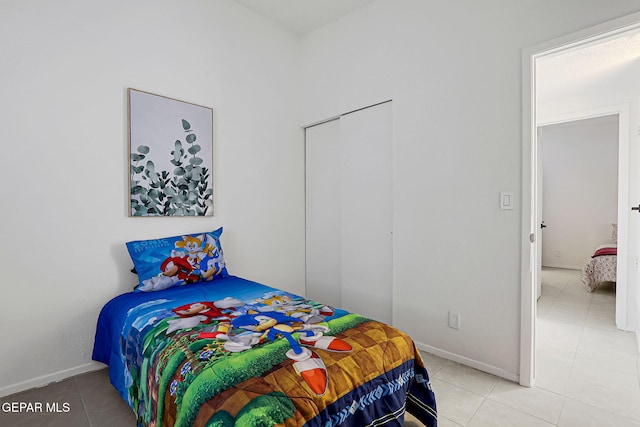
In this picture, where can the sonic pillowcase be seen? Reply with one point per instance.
(178, 260)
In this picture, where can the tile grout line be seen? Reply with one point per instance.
(84, 405)
(575, 354)
(484, 399)
(564, 402)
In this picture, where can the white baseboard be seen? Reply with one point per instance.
(562, 266)
(490, 369)
(50, 378)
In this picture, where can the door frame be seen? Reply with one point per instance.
(530, 231)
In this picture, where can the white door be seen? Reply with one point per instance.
(537, 271)
(323, 235)
(349, 212)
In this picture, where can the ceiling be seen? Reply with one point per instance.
(566, 71)
(570, 71)
(303, 16)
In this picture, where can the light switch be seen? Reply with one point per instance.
(506, 200)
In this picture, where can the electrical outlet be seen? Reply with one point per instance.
(454, 320)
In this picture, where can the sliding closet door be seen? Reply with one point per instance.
(367, 255)
(323, 266)
(349, 212)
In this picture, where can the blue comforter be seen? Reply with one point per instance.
(235, 352)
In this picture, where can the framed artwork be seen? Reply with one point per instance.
(170, 155)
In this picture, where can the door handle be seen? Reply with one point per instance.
(636, 208)
(543, 225)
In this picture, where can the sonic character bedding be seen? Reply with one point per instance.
(226, 351)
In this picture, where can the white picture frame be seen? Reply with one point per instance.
(170, 156)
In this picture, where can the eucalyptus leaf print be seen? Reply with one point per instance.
(184, 190)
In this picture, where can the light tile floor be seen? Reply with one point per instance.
(587, 375)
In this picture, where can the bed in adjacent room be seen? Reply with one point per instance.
(193, 345)
(602, 267)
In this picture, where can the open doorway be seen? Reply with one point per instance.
(598, 89)
(579, 192)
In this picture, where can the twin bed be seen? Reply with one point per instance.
(194, 346)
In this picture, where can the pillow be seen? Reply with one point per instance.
(178, 260)
(614, 232)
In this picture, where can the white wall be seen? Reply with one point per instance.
(580, 189)
(64, 174)
(453, 71)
